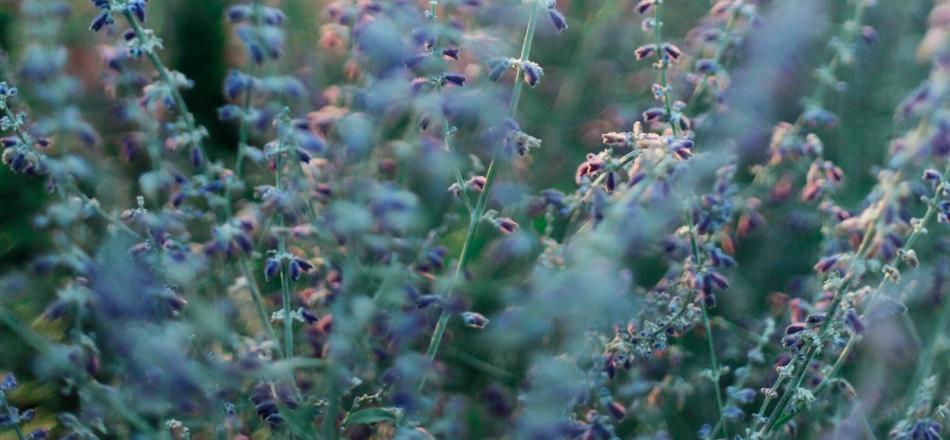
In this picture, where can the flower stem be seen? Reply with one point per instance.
(663, 65)
(476, 214)
(166, 77)
(285, 267)
(697, 257)
(855, 338)
(12, 416)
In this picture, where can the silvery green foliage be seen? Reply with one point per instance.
(382, 257)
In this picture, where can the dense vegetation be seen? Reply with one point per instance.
(537, 219)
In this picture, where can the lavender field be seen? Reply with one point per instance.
(474, 219)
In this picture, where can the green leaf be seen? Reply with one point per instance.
(374, 415)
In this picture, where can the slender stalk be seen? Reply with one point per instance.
(714, 364)
(9, 410)
(166, 77)
(815, 348)
(257, 297)
(243, 130)
(243, 136)
(812, 349)
(926, 363)
(717, 60)
(244, 126)
(663, 64)
(853, 340)
(284, 267)
(70, 184)
(476, 214)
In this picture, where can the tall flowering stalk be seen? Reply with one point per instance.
(881, 246)
(531, 72)
(258, 28)
(143, 41)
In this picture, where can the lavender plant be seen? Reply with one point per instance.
(475, 219)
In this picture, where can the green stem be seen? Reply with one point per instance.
(11, 416)
(476, 215)
(70, 184)
(285, 267)
(663, 65)
(717, 60)
(697, 257)
(257, 297)
(166, 77)
(244, 126)
(855, 338)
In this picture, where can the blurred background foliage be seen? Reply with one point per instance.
(592, 84)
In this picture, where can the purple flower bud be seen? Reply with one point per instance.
(427, 300)
(745, 395)
(271, 267)
(682, 148)
(474, 320)
(295, 270)
(933, 176)
(137, 8)
(653, 114)
(853, 321)
(532, 73)
(451, 52)
(825, 264)
(497, 68)
(273, 16)
(39, 434)
(707, 66)
(644, 6)
(100, 21)
(8, 382)
(815, 318)
(709, 299)
(476, 183)
(716, 280)
(229, 112)
(925, 429)
(719, 258)
(197, 158)
(27, 415)
(177, 303)
(244, 242)
(235, 84)
(617, 410)
(793, 342)
(557, 18)
(794, 328)
(506, 225)
(645, 51)
(869, 35)
(453, 78)
(56, 310)
(944, 209)
(672, 52)
(238, 13)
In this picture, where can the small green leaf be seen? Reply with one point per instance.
(374, 415)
